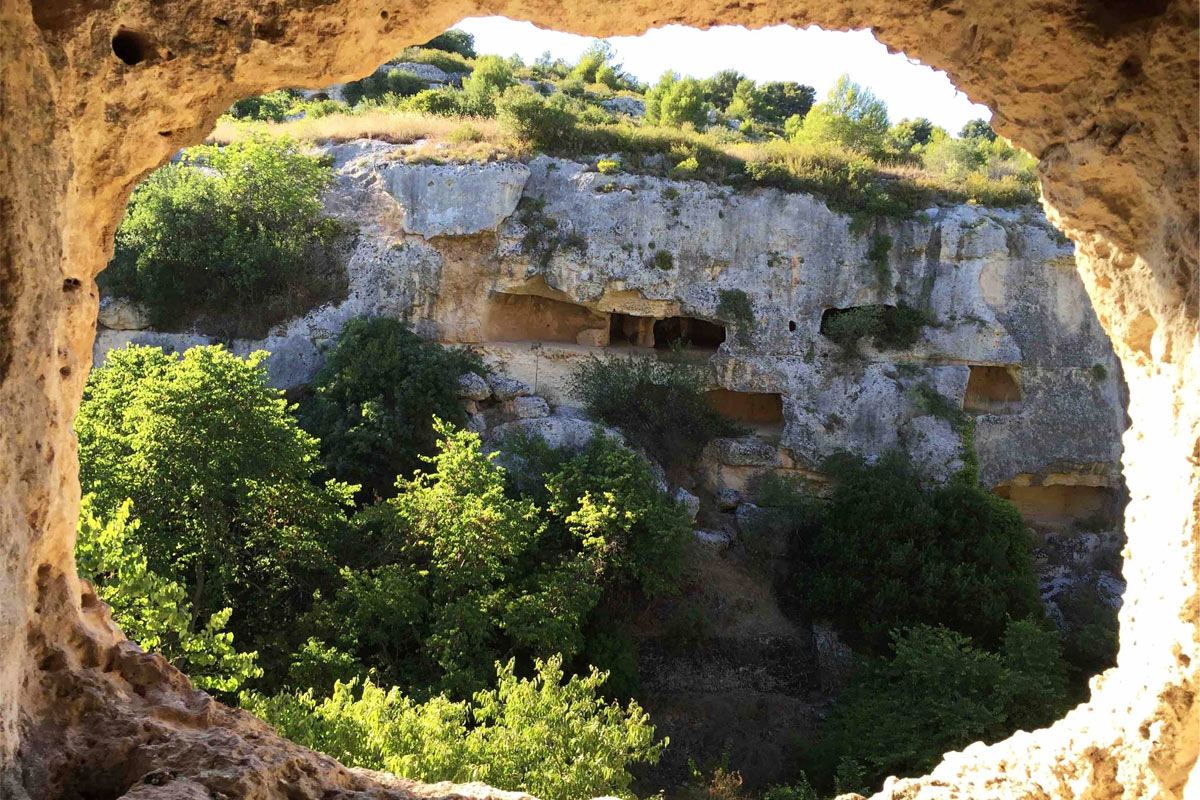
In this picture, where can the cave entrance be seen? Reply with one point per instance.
(992, 390)
(1062, 507)
(688, 333)
(525, 317)
(630, 330)
(760, 411)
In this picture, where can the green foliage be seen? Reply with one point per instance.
(889, 327)
(850, 116)
(234, 240)
(472, 571)
(719, 89)
(938, 691)
(530, 118)
(747, 102)
(270, 107)
(491, 76)
(543, 236)
(596, 65)
(385, 86)
(556, 740)
(676, 101)
(155, 611)
(734, 306)
(888, 550)
(978, 129)
(635, 394)
(783, 100)
(373, 402)
(988, 171)
(608, 166)
(1092, 626)
(453, 41)
(444, 60)
(221, 477)
(1099, 372)
(908, 134)
(663, 260)
(877, 256)
(436, 102)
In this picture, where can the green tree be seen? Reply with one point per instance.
(719, 89)
(272, 106)
(911, 133)
(471, 570)
(596, 65)
(677, 101)
(938, 691)
(221, 477)
(890, 549)
(227, 239)
(453, 41)
(152, 610)
(531, 118)
(491, 76)
(978, 129)
(555, 739)
(747, 103)
(373, 402)
(785, 99)
(850, 116)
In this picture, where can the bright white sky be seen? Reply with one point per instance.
(805, 55)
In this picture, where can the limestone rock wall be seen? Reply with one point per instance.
(1103, 92)
(570, 249)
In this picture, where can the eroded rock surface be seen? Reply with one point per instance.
(1104, 93)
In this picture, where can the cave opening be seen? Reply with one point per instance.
(992, 390)
(525, 317)
(688, 333)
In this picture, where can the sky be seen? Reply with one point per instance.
(806, 55)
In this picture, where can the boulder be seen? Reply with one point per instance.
(718, 540)
(622, 104)
(473, 387)
(727, 499)
(527, 407)
(835, 659)
(689, 502)
(506, 388)
(123, 314)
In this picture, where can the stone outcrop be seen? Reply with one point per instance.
(96, 94)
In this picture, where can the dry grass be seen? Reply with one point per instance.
(397, 127)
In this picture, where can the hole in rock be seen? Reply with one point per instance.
(131, 47)
(992, 390)
(523, 317)
(697, 334)
(630, 330)
(1059, 507)
(760, 411)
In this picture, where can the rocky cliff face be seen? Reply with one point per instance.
(544, 265)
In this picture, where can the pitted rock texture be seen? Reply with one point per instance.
(1103, 92)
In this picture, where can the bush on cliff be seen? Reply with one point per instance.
(233, 234)
(660, 405)
(373, 402)
(554, 739)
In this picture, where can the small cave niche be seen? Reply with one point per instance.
(1064, 506)
(526, 317)
(992, 390)
(132, 47)
(691, 333)
(630, 330)
(760, 411)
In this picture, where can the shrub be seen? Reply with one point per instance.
(270, 107)
(373, 402)
(385, 86)
(453, 41)
(888, 549)
(608, 166)
(472, 571)
(243, 241)
(634, 395)
(676, 101)
(221, 478)
(437, 102)
(491, 76)
(152, 610)
(530, 118)
(938, 691)
(444, 60)
(553, 739)
(889, 327)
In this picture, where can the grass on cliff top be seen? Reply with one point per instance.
(848, 182)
